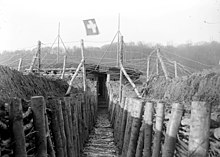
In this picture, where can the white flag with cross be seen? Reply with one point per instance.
(91, 27)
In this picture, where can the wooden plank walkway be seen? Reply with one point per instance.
(101, 140)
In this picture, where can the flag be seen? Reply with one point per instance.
(91, 27)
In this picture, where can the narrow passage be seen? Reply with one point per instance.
(101, 140)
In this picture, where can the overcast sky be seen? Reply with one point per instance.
(24, 22)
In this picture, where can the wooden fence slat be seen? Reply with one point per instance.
(123, 126)
(128, 128)
(148, 127)
(136, 114)
(158, 130)
(199, 129)
(62, 128)
(68, 134)
(16, 118)
(55, 128)
(38, 106)
(172, 130)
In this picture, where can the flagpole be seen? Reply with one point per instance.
(118, 40)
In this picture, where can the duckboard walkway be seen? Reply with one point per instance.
(101, 140)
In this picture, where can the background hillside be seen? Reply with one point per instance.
(194, 56)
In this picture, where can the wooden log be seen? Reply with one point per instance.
(199, 129)
(62, 127)
(68, 134)
(140, 145)
(50, 149)
(16, 120)
(119, 120)
(127, 129)
(64, 67)
(148, 127)
(80, 123)
(19, 64)
(172, 130)
(75, 130)
(131, 82)
(74, 76)
(136, 114)
(38, 106)
(123, 126)
(53, 104)
(162, 64)
(158, 130)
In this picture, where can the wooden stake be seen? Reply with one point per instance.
(83, 66)
(199, 129)
(16, 118)
(38, 107)
(136, 113)
(67, 125)
(64, 67)
(162, 64)
(148, 127)
(158, 129)
(35, 57)
(175, 69)
(172, 130)
(121, 74)
(123, 125)
(74, 76)
(53, 104)
(148, 68)
(39, 56)
(19, 64)
(58, 45)
(127, 133)
(131, 82)
(157, 66)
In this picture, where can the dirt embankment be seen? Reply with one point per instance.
(15, 84)
(203, 86)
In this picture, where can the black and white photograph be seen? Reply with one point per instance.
(110, 78)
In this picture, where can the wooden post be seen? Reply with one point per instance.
(39, 55)
(121, 74)
(74, 76)
(62, 127)
(131, 82)
(58, 44)
(67, 125)
(162, 64)
(19, 64)
(148, 68)
(34, 58)
(119, 120)
(16, 118)
(64, 67)
(127, 133)
(83, 66)
(38, 107)
(53, 103)
(172, 130)
(74, 129)
(199, 129)
(175, 69)
(158, 129)
(123, 125)
(136, 114)
(157, 66)
(50, 149)
(148, 123)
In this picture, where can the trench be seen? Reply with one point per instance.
(101, 140)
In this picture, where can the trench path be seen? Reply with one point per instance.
(101, 140)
